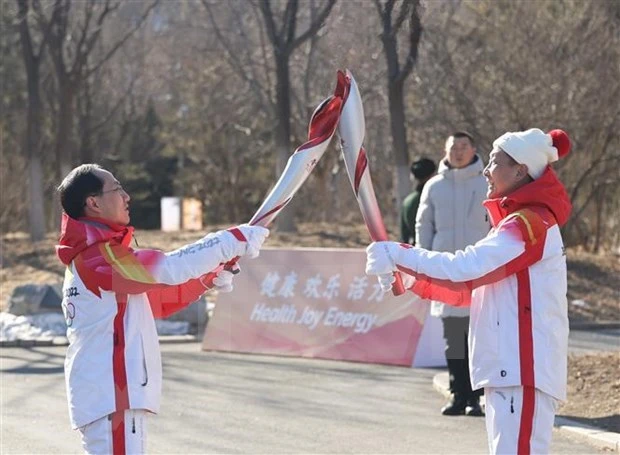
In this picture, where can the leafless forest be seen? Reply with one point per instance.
(208, 98)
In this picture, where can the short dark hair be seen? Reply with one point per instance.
(423, 168)
(79, 184)
(458, 134)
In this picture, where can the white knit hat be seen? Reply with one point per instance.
(534, 148)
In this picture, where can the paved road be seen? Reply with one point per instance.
(584, 341)
(224, 403)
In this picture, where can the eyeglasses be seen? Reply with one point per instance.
(118, 188)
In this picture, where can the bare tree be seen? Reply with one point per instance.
(283, 35)
(70, 47)
(284, 39)
(393, 21)
(32, 134)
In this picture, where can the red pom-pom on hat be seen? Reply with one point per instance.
(561, 142)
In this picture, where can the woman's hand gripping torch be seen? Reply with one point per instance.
(352, 130)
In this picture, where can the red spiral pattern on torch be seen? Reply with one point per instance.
(360, 168)
(324, 122)
(275, 209)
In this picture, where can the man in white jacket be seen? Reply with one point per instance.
(112, 294)
(450, 217)
(515, 282)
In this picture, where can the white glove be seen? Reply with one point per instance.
(381, 258)
(255, 237)
(408, 280)
(385, 281)
(223, 281)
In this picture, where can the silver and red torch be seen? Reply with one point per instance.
(352, 130)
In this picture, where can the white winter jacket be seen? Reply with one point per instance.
(515, 281)
(111, 296)
(451, 216)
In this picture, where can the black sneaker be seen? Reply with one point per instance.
(473, 408)
(454, 407)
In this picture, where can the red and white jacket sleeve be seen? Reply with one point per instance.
(450, 277)
(195, 259)
(171, 280)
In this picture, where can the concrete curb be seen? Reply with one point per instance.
(26, 343)
(62, 341)
(601, 325)
(180, 339)
(599, 438)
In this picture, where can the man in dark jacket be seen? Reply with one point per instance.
(421, 170)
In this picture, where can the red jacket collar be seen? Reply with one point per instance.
(546, 192)
(77, 235)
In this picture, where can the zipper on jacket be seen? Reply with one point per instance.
(512, 409)
(497, 318)
(471, 203)
(146, 373)
(133, 425)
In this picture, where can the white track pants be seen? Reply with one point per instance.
(118, 434)
(519, 420)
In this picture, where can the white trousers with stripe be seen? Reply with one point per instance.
(120, 433)
(519, 420)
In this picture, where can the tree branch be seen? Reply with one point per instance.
(415, 35)
(57, 32)
(233, 59)
(272, 32)
(97, 33)
(79, 57)
(290, 22)
(115, 108)
(30, 58)
(315, 25)
(404, 11)
(45, 26)
(389, 7)
(265, 59)
(122, 41)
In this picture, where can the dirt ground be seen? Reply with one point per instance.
(593, 295)
(594, 390)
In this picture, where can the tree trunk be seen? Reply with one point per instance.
(63, 150)
(285, 221)
(86, 153)
(399, 142)
(599, 229)
(32, 145)
(36, 210)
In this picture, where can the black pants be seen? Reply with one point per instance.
(455, 333)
